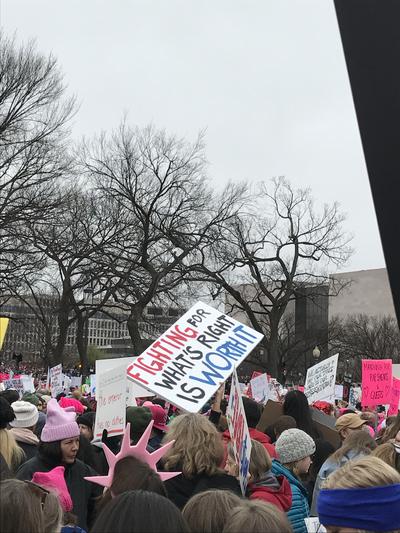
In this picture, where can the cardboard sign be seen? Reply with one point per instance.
(187, 364)
(111, 402)
(320, 380)
(259, 388)
(239, 431)
(3, 329)
(394, 397)
(376, 382)
(133, 389)
(56, 380)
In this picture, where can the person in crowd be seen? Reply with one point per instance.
(28, 508)
(296, 405)
(255, 517)
(295, 448)
(362, 496)
(253, 414)
(23, 427)
(357, 444)
(59, 446)
(132, 474)
(12, 453)
(198, 453)
(159, 416)
(346, 424)
(86, 422)
(392, 430)
(323, 450)
(72, 402)
(139, 418)
(263, 484)
(5, 472)
(283, 423)
(10, 395)
(35, 400)
(390, 453)
(90, 449)
(138, 511)
(209, 511)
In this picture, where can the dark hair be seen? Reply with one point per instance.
(159, 401)
(283, 423)
(323, 449)
(137, 511)
(50, 452)
(10, 395)
(7, 415)
(132, 474)
(252, 411)
(296, 405)
(86, 453)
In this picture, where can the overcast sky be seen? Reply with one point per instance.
(266, 79)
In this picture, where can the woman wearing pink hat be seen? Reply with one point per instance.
(58, 446)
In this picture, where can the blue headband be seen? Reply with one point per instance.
(370, 509)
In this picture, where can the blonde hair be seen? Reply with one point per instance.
(387, 452)
(363, 473)
(9, 449)
(255, 516)
(197, 448)
(208, 511)
(260, 461)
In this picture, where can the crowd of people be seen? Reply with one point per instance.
(177, 472)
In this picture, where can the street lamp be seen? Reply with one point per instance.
(316, 352)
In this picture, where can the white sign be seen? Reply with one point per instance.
(195, 355)
(338, 392)
(28, 384)
(67, 383)
(76, 381)
(56, 380)
(396, 371)
(354, 397)
(93, 385)
(239, 431)
(111, 402)
(320, 380)
(259, 388)
(134, 390)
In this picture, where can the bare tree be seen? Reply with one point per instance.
(157, 185)
(273, 250)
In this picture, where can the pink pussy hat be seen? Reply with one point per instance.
(60, 424)
(54, 480)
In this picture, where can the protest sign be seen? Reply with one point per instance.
(67, 382)
(27, 384)
(111, 402)
(376, 382)
(3, 329)
(338, 392)
(186, 365)
(56, 380)
(239, 431)
(396, 371)
(259, 388)
(76, 381)
(16, 384)
(354, 396)
(394, 397)
(93, 385)
(133, 389)
(320, 380)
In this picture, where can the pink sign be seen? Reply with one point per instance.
(376, 381)
(394, 397)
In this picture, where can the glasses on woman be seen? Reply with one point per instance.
(39, 491)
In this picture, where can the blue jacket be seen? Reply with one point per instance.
(299, 509)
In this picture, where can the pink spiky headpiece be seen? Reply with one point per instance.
(139, 451)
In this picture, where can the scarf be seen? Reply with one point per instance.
(25, 435)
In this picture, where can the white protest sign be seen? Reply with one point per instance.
(133, 389)
(187, 364)
(28, 384)
(259, 388)
(16, 384)
(93, 385)
(320, 380)
(111, 402)
(338, 392)
(354, 396)
(239, 431)
(396, 371)
(67, 383)
(76, 381)
(56, 380)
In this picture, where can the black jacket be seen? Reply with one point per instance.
(180, 489)
(83, 493)
(30, 450)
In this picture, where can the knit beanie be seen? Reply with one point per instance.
(54, 480)
(31, 398)
(26, 415)
(6, 413)
(294, 445)
(72, 402)
(139, 418)
(60, 424)
(87, 419)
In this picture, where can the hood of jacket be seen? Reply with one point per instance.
(279, 470)
(271, 486)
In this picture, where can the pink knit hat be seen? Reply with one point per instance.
(54, 480)
(59, 425)
(72, 402)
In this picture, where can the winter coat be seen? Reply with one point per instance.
(259, 437)
(326, 469)
(272, 489)
(300, 508)
(83, 493)
(180, 488)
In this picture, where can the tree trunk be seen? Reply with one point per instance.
(63, 324)
(133, 328)
(82, 343)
